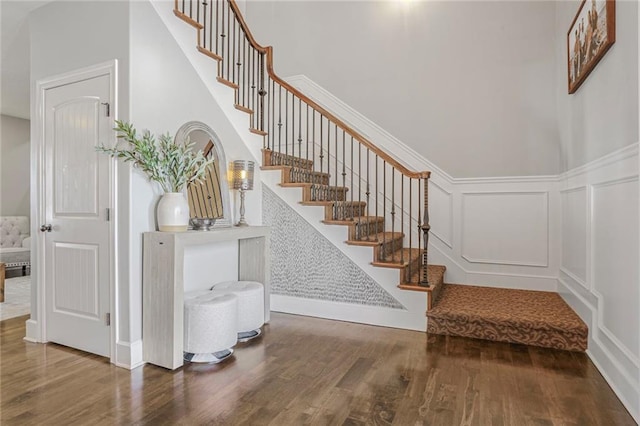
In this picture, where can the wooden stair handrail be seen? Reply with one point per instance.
(268, 51)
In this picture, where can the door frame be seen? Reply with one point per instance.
(36, 327)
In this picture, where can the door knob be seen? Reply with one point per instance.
(46, 228)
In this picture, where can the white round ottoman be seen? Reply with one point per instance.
(250, 306)
(210, 326)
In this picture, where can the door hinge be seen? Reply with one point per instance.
(107, 319)
(107, 108)
(108, 214)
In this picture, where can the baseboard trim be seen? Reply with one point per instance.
(372, 315)
(617, 375)
(32, 331)
(129, 355)
(627, 392)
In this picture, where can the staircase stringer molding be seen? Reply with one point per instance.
(359, 187)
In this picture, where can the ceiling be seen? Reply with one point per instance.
(14, 63)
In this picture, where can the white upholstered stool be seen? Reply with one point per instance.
(250, 306)
(210, 326)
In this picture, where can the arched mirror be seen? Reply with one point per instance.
(208, 201)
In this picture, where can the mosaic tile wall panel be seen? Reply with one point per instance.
(299, 259)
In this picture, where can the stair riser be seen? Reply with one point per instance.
(278, 159)
(411, 269)
(506, 333)
(344, 211)
(387, 248)
(435, 294)
(324, 193)
(359, 231)
(306, 176)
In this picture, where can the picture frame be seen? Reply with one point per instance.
(590, 36)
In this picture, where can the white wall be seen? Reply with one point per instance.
(602, 115)
(469, 85)
(14, 166)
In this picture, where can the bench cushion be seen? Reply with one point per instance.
(13, 231)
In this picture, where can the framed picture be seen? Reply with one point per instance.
(592, 33)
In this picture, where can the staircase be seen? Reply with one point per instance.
(383, 204)
(364, 229)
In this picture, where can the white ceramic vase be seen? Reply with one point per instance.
(173, 212)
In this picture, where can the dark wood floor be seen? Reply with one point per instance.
(312, 371)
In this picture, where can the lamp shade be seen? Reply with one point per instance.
(242, 173)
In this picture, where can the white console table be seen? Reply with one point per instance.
(163, 283)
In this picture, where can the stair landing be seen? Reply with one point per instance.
(534, 318)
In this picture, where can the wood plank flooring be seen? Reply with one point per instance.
(311, 371)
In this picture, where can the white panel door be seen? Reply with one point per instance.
(76, 229)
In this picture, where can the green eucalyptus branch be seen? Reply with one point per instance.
(169, 163)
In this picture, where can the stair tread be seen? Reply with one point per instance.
(355, 220)
(275, 156)
(227, 83)
(376, 239)
(309, 185)
(293, 168)
(331, 203)
(537, 318)
(435, 276)
(310, 171)
(276, 167)
(243, 108)
(536, 309)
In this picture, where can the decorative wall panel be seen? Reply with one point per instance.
(574, 237)
(615, 258)
(442, 216)
(490, 220)
(305, 264)
(600, 221)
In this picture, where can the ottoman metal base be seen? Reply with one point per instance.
(245, 336)
(212, 358)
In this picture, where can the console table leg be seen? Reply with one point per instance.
(2, 274)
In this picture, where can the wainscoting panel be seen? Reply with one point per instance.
(601, 222)
(441, 218)
(615, 257)
(490, 220)
(574, 237)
